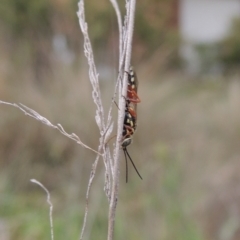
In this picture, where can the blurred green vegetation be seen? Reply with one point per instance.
(30, 29)
(191, 143)
(24, 16)
(230, 47)
(224, 55)
(186, 147)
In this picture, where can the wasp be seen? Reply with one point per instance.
(132, 87)
(132, 98)
(130, 119)
(129, 128)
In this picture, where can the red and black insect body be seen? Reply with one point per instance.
(130, 119)
(132, 87)
(132, 97)
(129, 128)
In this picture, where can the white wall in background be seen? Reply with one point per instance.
(204, 21)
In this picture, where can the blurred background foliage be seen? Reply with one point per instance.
(186, 146)
(230, 48)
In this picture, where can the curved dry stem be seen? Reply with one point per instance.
(92, 175)
(49, 203)
(122, 97)
(105, 130)
(32, 113)
(119, 20)
(93, 75)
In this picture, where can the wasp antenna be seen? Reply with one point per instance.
(125, 150)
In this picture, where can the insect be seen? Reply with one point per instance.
(132, 87)
(130, 119)
(128, 130)
(129, 127)
(132, 98)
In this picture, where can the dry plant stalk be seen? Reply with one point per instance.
(31, 113)
(125, 49)
(111, 167)
(111, 161)
(49, 203)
